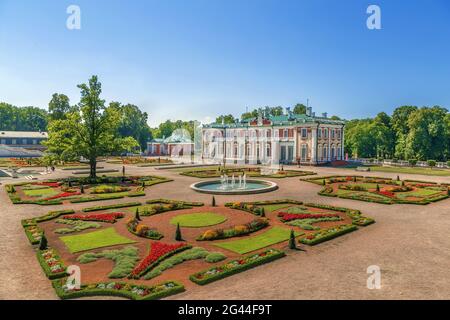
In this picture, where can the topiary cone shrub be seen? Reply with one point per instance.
(178, 236)
(323, 182)
(213, 202)
(43, 244)
(81, 189)
(137, 216)
(398, 178)
(354, 179)
(378, 187)
(262, 212)
(292, 244)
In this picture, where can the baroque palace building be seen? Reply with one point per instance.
(266, 139)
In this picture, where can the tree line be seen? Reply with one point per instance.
(410, 133)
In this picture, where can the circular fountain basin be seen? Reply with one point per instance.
(251, 186)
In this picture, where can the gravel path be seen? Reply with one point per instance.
(410, 243)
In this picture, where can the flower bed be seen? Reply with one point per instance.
(102, 217)
(113, 206)
(33, 233)
(118, 289)
(356, 216)
(327, 234)
(142, 230)
(48, 184)
(63, 195)
(51, 263)
(158, 252)
(239, 230)
(236, 266)
(285, 216)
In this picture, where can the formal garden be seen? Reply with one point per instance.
(160, 247)
(217, 171)
(141, 161)
(80, 189)
(381, 190)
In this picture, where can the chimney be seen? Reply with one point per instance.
(309, 111)
(324, 115)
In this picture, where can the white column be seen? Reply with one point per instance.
(329, 144)
(342, 144)
(313, 145)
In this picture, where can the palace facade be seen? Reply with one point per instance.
(267, 139)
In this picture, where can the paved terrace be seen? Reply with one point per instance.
(410, 243)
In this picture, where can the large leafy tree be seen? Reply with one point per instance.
(58, 107)
(228, 118)
(299, 108)
(132, 123)
(90, 130)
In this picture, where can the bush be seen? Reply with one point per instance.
(213, 203)
(412, 162)
(215, 257)
(431, 163)
(178, 236)
(43, 243)
(292, 244)
(113, 206)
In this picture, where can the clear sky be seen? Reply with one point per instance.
(193, 59)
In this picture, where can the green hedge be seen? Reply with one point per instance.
(167, 201)
(356, 216)
(85, 291)
(327, 234)
(112, 206)
(91, 199)
(46, 268)
(277, 254)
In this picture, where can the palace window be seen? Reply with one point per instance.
(304, 152)
(325, 133)
(304, 133)
(285, 133)
(332, 133)
(319, 133)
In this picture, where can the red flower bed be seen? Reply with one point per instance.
(103, 217)
(48, 184)
(63, 195)
(292, 216)
(157, 251)
(387, 193)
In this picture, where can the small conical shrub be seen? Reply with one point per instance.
(378, 187)
(292, 244)
(81, 189)
(354, 179)
(123, 170)
(137, 215)
(143, 184)
(43, 244)
(403, 183)
(70, 184)
(448, 191)
(323, 182)
(398, 178)
(213, 202)
(178, 236)
(262, 212)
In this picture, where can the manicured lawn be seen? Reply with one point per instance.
(424, 171)
(196, 220)
(48, 192)
(92, 240)
(274, 207)
(268, 238)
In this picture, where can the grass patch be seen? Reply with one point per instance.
(124, 260)
(197, 220)
(268, 238)
(46, 192)
(424, 171)
(93, 240)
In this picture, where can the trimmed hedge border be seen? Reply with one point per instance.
(87, 292)
(346, 228)
(357, 218)
(167, 201)
(112, 206)
(239, 268)
(51, 275)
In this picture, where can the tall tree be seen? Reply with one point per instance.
(299, 108)
(229, 118)
(58, 107)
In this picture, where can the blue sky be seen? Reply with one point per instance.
(193, 59)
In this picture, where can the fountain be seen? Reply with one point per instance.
(227, 185)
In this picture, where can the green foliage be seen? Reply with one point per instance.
(213, 202)
(292, 244)
(14, 118)
(411, 132)
(124, 260)
(43, 243)
(178, 236)
(137, 216)
(431, 163)
(214, 257)
(77, 225)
